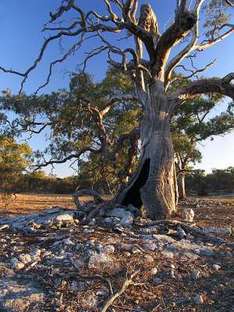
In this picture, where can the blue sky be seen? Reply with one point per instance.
(21, 38)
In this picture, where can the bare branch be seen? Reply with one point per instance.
(73, 25)
(212, 85)
(61, 10)
(193, 72)
(230, 3)
(92, 54)
(184, 22)
(209, 43)
(126, 284)
(78, 193)
(180, 56)
(60, 60)
(65, 159)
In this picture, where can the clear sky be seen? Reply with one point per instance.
(21, 22)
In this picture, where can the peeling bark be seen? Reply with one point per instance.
(153, 185)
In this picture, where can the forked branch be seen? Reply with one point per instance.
(222, 86)
(128, 281)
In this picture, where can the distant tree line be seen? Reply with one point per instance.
(198, 183)
(219, 181)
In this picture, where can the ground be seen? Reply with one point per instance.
(28, 203)
(77, 267)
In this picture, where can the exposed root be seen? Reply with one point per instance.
(156, 227)
(78, 193)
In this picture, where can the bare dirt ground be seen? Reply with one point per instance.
(28, 203)
(80, 267)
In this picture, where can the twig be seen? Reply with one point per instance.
(125, 285)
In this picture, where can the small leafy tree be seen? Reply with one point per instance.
(94, 125)
(191, 125)
(14, 159)
(186, 154)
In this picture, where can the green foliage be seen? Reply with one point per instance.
(217, 15)
(192, 124)
(74, 126)
(14, 159)
(185, 150)
(219, 181)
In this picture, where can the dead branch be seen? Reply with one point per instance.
(193, 72)
(184, 22)
(65, 159)
(230, 3)
(128, 281)
(209, 43)
(212, 85)
(71, 51)
(78, 193)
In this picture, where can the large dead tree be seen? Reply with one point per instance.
(153, 70)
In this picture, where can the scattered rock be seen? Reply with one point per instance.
(16, 264)
(217, 267)
(100, 262)
(25, 258)
(79, 264)
(157, 280)
(19, 296)
(188, 214)
(154, 271)
(180, 233)
(125, 217)
(198, 299)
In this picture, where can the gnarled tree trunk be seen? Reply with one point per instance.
(153, 185)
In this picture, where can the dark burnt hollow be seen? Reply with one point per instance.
(133, 195)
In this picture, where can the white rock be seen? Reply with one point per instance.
(125, 216)
(217, 267)
(3, 227)
(109, 249)
(154, 271)
(64, 218)
(16, 264)
(25, 258)
(188, 214)
(100, 261)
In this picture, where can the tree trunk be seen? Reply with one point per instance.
(153, 185)
(181, 186)
(176, 186)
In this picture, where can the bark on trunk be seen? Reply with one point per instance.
(176, 185)
(153, 185)
(181, 186)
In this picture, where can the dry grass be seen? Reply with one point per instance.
(28, 203)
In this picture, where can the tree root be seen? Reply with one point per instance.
(156, 227)
(78, 193)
